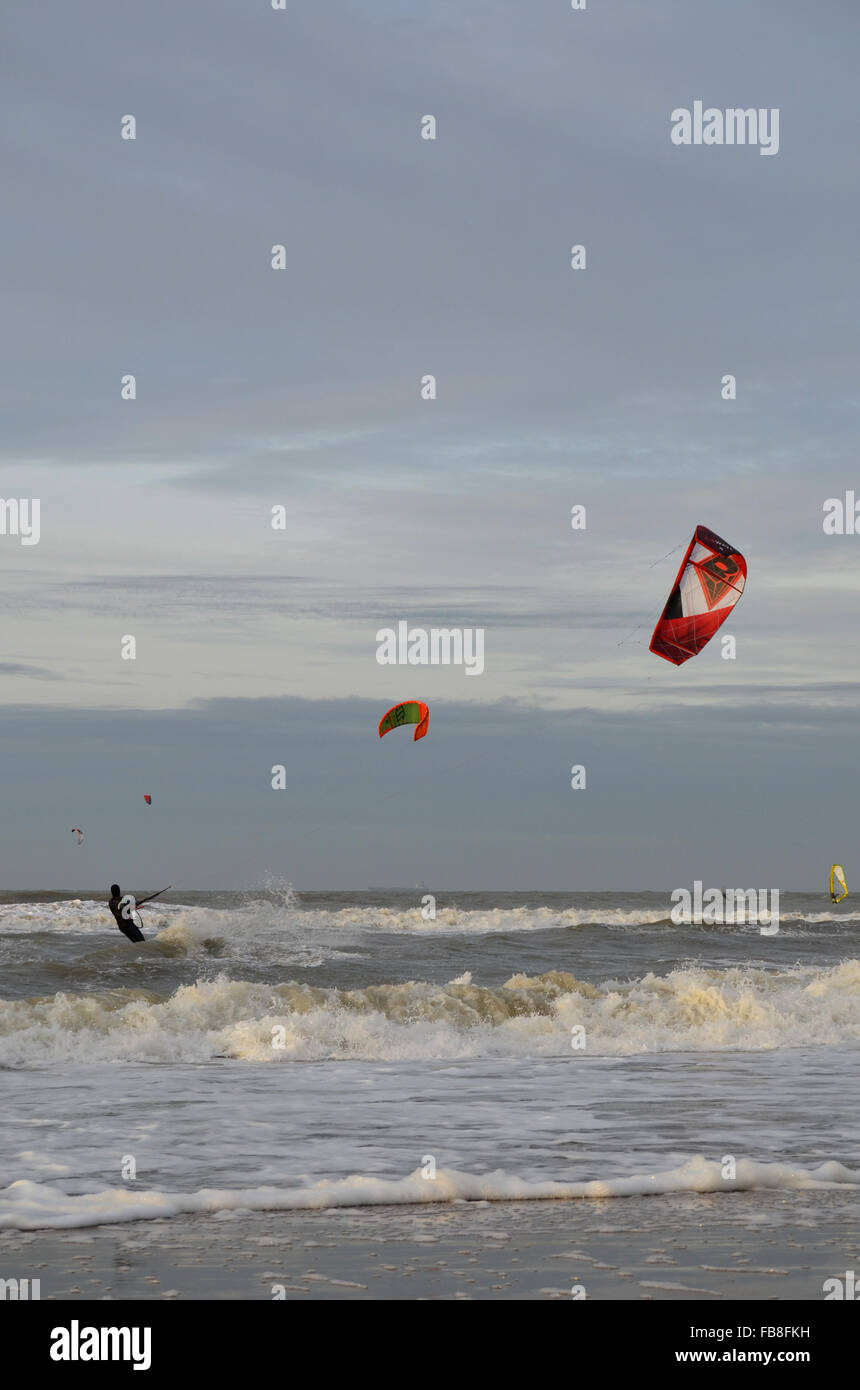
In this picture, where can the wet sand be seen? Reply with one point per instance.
(761, 1246)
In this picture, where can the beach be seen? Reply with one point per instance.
(528, 1095)
(682, 1248)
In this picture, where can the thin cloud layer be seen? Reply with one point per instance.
(406, 257)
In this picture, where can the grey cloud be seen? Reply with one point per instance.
(15, 668)
(555, 388)
(484, 800)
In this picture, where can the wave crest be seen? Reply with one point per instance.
(554, 1014)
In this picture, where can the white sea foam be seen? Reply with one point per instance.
(79, 915)
(693, 1009)
(258, 919)
(454, 920)
(33, 1206)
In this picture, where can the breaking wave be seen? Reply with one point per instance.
(259, 918)
(28, 1205)
(692, 1009)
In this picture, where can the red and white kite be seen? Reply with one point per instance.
(708, 585)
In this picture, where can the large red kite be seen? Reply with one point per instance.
(707, 587)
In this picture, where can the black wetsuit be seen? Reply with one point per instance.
(125, 924)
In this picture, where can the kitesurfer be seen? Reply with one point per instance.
(126, 924)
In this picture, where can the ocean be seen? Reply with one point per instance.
(335, 1053)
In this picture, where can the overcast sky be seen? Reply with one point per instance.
(301, 388)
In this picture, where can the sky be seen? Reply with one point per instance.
(300, 388)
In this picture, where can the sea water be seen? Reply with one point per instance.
(276, 1050)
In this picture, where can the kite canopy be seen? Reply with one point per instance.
(147, 799)
(707, 587)
(79, 833)
(410, 712)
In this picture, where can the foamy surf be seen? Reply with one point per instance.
(693, 1009)
(260, 920)
(31, 1206)
(260, 1054)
